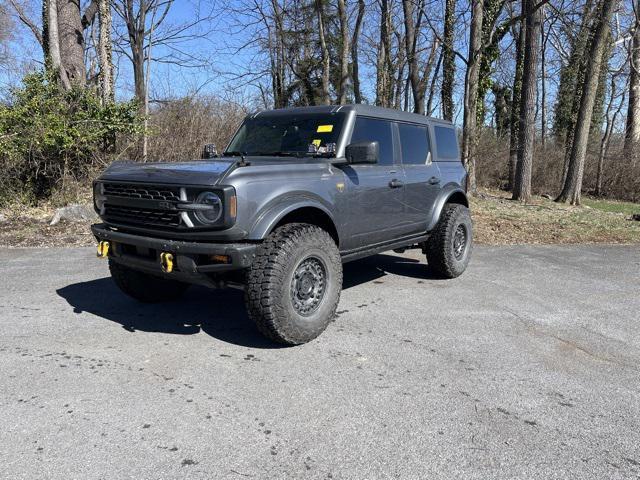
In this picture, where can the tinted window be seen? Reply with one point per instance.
(286, 134)
(415, 144)
(370, 130)
(447, 143)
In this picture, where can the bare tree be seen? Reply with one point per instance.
(357, 93)
(135, 15)
(572, 189)
(515, 105)
(448, 60)
(343, 83)
(384, 74)
(611, 119)
(326, 65)
(54, 43)
(469, 134)
(71, 38)
(104, 47)
(527, 125)
(632, 134)
(418, 81)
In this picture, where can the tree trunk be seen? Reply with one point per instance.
(515, 106)
(571, 191)
(70, 33)
(344, 53)
(469, 129)
(608, 131)
(324, 94)
(448, 61)
(527, 127)
(54, 44)
(357, 93)
(104, 47)
(632, 134)
(383, 62)
(543, 80)
(410, 43)
(432, 88)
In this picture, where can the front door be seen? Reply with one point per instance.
(374, 193)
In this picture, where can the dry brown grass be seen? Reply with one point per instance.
(499, 221)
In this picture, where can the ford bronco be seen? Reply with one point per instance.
(297, 193)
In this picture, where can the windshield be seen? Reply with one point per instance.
(288, 135)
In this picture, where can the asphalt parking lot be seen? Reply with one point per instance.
(528, 366)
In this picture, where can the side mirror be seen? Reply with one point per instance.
(363, 152)
(209, 151)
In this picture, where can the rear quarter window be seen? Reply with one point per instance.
(446, 144)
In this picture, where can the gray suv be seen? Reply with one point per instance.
(297, 193)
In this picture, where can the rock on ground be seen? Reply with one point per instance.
(74, 213)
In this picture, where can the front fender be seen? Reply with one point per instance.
(448, 191)
(278, 208)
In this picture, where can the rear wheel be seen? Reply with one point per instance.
(449, 247)
(294, 284)
(144, 287)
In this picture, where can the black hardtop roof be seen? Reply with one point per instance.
(360, 109)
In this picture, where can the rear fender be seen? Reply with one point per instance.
(450, 193)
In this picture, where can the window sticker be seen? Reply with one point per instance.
(325, 128)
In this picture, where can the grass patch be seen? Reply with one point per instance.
(611, 206)
(499, 220)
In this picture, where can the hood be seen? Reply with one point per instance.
(201, 172)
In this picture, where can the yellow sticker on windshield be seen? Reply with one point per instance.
(317, 142)
(325, 128)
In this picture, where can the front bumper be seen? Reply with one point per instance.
(194, 262)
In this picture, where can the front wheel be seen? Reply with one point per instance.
(449, 247)
(294, 284)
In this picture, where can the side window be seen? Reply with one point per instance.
(447, 143)
(372, 130)
(415, 144)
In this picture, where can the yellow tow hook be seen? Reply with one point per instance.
(166, 261)
(103, 249)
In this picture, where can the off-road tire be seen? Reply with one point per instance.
(440, 249)
(144, 287)
(269, 290)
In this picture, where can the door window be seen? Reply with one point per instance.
(415, 144)
(373, 130)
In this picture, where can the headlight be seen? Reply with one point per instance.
(211, 214)
(98, 196)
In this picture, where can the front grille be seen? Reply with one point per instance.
(141, 216)
(146, 192)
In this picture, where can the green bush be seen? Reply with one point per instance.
(48, 134)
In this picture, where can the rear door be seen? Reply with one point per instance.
(422, 176)
(374, 193)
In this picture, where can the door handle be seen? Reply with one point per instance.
(395, 183)
(434, 181)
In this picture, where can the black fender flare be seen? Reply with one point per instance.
(451, 191)
(275, 210)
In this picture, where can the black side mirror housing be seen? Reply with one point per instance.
(363, 152)
(209, 151)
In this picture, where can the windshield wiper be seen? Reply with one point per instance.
(280, 154)
(235, 154)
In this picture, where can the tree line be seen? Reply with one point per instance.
(538, 76)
